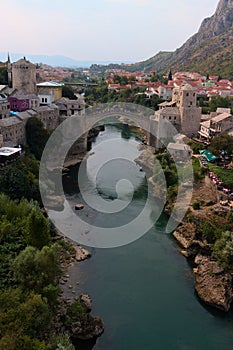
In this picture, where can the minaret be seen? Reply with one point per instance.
(9, 70)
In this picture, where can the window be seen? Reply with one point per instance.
(191, 103)
(187, 94)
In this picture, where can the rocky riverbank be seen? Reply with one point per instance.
(213, 283)
(74, 311)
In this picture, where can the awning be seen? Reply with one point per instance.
(209, 156)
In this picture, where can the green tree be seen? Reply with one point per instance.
(68, 92)
(20, 179)
(22, 317)
(223, 249)
(222, 142)
(37, 269)
(218, 101)
(36, 136)
(38, 230)
(3, 76)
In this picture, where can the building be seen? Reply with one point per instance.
(12, 129)
(49, 92)
(4, 107)
(23, 76)
(20, 102)
(179, 115)
(216, 125)
(69, 107)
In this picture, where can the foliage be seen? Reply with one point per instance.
(196, 147)
(218, 101)
(222, 142)
(198, 171)
(22, 318)
(196, 205)
(3, 76)
(74, 312)
(101, 94)
(64, 343)
(208, 232)
(13, 224)
(67, 91)
(20, 179)
(36, 136)
(38, 230)
(37, 269)
(223, 249)
(225, 175)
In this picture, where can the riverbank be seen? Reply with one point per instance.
(74, 308)
(197, 239)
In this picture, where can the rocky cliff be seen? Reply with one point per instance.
(210, 50)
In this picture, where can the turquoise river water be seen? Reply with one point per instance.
(144, 291)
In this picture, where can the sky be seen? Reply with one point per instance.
(100, 30)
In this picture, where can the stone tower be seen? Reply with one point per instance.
(24, 76)
(185, 98)
(190, 114)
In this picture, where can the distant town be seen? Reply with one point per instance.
(197, 105)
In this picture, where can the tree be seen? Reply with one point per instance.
(38, 230)
(223, 249)
(37, 269)
(36, 136)
(23, 317)
(222, 142)
(218, 101)
(3, 76)
(20, 179)
(68, 92)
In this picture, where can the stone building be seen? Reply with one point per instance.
(69, 107)
(23, 76)
(12, 129)
(179, 115)
(4, 107)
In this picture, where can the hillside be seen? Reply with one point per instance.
(210, 50)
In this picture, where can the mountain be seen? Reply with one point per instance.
(210, 50)
(55, 61)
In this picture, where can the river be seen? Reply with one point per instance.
(144, 291)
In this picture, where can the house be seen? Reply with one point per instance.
(216, 125)
(20, 102)
(4, 107)
(49, 91)
(69, 107)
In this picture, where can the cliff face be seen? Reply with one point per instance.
(210, 50)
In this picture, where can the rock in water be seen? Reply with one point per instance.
(87, 328)
(213, 285)
(85, 301)
(81, 253)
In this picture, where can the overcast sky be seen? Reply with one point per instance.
(112, 30)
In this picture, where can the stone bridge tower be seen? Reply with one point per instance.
(185, 98)
(24, 76)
